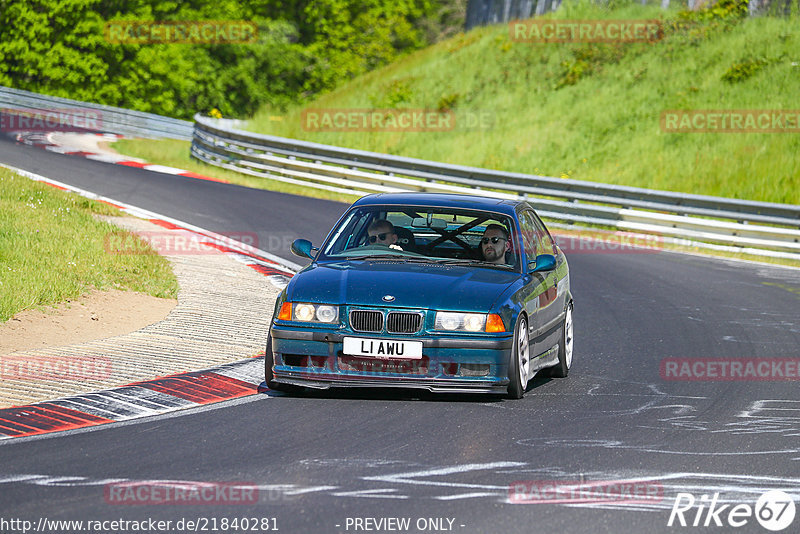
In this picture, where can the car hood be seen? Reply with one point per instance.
(413, 285)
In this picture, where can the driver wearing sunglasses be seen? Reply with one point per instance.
(494, 244)
(381, 232)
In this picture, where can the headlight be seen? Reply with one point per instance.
(304, 312)
(327, 314)
(469, 322)
(448, 321)
(308, 312)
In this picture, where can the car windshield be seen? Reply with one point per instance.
(423, 234)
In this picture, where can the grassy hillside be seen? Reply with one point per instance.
(592, 111)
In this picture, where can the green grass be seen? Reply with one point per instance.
(52, 249)
(592, 111)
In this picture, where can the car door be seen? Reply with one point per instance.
(559, 278)
(546, 313)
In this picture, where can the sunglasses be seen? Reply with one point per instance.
(382, 237)
(494, 239)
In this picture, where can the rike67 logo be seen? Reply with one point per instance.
(774, 510)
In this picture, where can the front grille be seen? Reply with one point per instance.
(366, 320)
(403, 322)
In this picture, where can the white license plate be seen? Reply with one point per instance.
(383, 348)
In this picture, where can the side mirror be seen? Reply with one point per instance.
(302, 248)
(544, 262)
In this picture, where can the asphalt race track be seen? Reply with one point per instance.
(222, 208)
(323, 461)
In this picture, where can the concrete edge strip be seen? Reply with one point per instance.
(160, 395)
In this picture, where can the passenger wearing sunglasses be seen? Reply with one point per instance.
(494, 244)
(381, 232)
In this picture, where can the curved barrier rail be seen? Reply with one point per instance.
(16, 104)
(760, 228)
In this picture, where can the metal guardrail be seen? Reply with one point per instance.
(760, 228)
(109, 119)
(754, 227)
(485, 12)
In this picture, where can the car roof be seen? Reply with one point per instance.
(440, 200)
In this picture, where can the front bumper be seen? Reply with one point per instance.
(314, 358)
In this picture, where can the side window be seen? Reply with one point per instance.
(340, 241)
(545, 240)
(529, 235)
(360, 231)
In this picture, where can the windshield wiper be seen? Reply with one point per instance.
(466, 261)
(378, 257)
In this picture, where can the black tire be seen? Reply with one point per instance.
(516, 387)
(561, 369)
